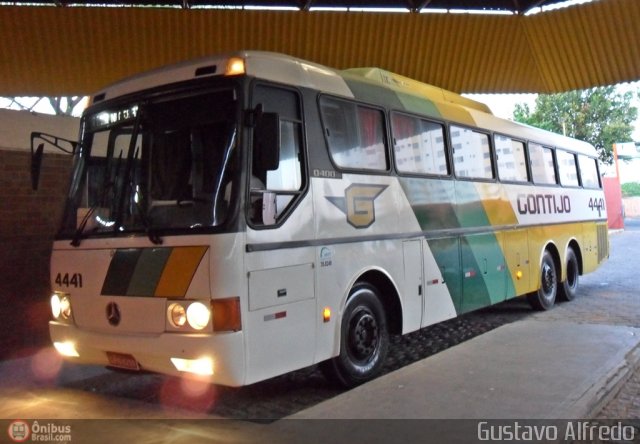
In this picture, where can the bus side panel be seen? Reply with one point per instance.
(440, 277)
(484, 271)
(446, 252)
(280, 322)
(517, 256)
(596, 247)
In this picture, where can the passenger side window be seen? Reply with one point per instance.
(418, 145)
(471, 153)
(589, 172)
(567, 168)
(274, 191)
(542, 165)
(355, 134)
(512, 161)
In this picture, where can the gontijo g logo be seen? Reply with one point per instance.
(358, 203)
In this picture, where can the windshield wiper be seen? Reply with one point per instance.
(153, 236)
(124, 191)
(77, 236)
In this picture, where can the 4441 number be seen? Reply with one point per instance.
(69, 280)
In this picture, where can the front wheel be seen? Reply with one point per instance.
(569, 287)
(545, 297)
(364, 340)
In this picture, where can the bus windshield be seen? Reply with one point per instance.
(152, 166)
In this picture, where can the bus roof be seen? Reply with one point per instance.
(360, 83)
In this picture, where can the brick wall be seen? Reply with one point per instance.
(28, 222)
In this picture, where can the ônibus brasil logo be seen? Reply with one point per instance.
(19, 431)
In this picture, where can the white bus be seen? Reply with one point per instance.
(245, 215)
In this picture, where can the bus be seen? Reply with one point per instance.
(244, 215)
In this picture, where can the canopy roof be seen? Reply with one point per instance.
(77, 50)
(519, 6)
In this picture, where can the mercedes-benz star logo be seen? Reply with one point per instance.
(113, 313)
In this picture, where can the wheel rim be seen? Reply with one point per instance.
(364, 335)
(548, 280)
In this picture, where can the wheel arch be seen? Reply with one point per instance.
(575, 246)
(389, 296)
(555, 254)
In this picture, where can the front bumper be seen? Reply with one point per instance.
(154, 352)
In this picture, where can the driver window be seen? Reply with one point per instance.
(273, 192)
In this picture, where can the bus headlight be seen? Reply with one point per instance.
(198, 315)
(60, 306)
(55, 306)
(177, 315)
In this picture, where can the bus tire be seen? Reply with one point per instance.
(569, 288)
(545, 296)
(364, 339)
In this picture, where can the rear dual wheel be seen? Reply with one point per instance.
(545, 296)
(550, 289)
(569, 287)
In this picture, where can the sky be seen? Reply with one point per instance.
(503, 105)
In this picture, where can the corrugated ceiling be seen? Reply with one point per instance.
(71, 51)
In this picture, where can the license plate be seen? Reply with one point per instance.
(121, 360)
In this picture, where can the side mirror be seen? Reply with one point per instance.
(266, 142)
(64, 145)
(36, 162)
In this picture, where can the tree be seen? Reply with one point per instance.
(601, 116)
(631, 189)
(60, 106)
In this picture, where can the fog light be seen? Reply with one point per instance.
(177, 315)
(198, 315)
(55, 306)
(202, 366)
(67, 348)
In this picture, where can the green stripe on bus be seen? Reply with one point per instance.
(419, 105)
(432, 202)
(469, 208)
(148, 271)
(121, 269)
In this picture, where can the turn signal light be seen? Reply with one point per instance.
(226, 314)
(326, 314)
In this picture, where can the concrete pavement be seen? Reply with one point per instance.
(529, 369)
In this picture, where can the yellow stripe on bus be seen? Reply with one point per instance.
(179, 270)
